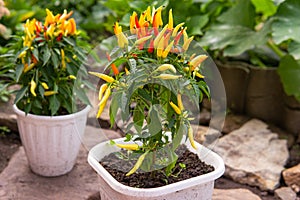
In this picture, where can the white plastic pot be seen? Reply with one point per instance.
(51, 143)
(196, 188)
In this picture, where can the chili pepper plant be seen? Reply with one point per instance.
(48, 60)
(155, 75)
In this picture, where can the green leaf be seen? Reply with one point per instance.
(287, 24)
(19, 71)
(54, 59)
(114, 106)
(138, 117)
(46, 55)
(294, 49)
(154, 126)
(80, 93)
(266, 7)
(235, 40)
(241, 14)
(69, 41)
(289, 72)
(196, 23)
(21, 94)
(36, 53)
(181, 131)
(54, 104)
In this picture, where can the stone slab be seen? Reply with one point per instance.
(234, 194)
(18, 182)
(253, 155)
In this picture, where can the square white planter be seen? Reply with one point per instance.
(196, 188)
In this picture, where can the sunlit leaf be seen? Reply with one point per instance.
(294, 49)
(266, 7)
(287, 24)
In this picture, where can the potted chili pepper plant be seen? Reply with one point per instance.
(155, 84)
(50, 104)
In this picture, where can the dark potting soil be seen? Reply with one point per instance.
(118, 168)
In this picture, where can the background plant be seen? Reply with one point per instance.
(48, 61)
(262, 33)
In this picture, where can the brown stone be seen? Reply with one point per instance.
(233, 122)
(285, 193)
(291, 177)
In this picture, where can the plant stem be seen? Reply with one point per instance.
(276, 50)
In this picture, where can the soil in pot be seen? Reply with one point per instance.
(118, 168)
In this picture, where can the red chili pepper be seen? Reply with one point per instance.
(59, 37)
(151, 46)
(177, 38)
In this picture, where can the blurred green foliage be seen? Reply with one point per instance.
(228, 29)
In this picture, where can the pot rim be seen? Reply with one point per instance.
(54, 118)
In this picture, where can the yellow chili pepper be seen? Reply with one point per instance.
(102, 90)
(137, 164)
(132, 147)
(199, 75)
(22, 54)
(132, 23)
(170, 24)
(103, 101)
(159, 36)
(32, 87)
(122, 40)
(160, 47)
(49, 93)
(27, 68)
(167, 76)
(72, 77)
(186, 43)
(174, 33)
(105, 77)
(143, 39)
(176, 108)
(50, 30)
(167, 50)
(179, 101)
(165, 67)
(63, 62)
(191, 137)
(45, 86)
(126, 71)
(50, 18)
(157, 20)
(197, 61)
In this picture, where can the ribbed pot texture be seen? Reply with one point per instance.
(51, 143)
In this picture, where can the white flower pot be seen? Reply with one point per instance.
(200, 188)
(51, 143)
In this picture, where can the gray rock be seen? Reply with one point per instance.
(253, 155)
(234, 194)
(285, 193)
(291, 177)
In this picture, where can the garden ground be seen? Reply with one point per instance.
(18, 182)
